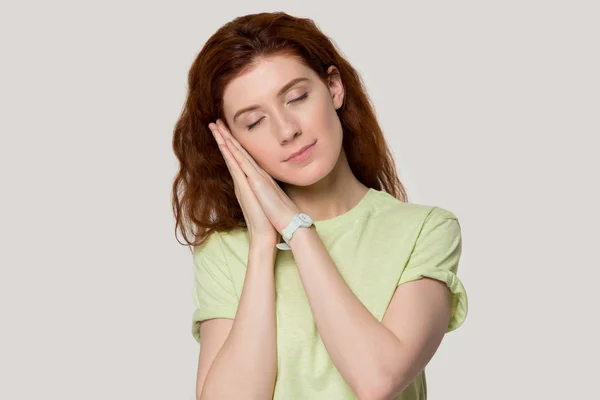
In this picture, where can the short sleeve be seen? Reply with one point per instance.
(436, 255)
(213, 289)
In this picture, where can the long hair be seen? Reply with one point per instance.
(203, 196)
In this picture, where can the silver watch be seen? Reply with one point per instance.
(300, 220)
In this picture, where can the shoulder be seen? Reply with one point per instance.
(229, 248)
(221, 244)
(389, 210)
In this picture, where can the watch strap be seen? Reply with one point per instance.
(289, 230)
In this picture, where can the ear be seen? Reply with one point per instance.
(336, 88)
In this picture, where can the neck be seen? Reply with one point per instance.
(333, 195)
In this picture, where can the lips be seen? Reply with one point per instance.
(299, 151)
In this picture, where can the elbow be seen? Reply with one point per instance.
(376, 394)
(381, 389)
(373, 395)
(372, 391)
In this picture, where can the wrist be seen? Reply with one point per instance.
(262, 247)
(285, 221)
(302, 234)
(299, 220)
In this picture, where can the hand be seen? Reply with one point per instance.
(277, 206)
(259, 226)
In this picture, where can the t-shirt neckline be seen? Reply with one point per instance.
(353, 214)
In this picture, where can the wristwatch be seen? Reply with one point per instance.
(300, 220)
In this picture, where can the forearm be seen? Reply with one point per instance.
(246, 365)
(363, 350)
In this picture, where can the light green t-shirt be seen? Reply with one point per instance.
(379, 244)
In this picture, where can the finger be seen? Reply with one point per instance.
(220, 142)
(216, 134)
(242, 160)
(246, 155)
(232, 165)
(227, 135)
(241, 184)
(222, 127)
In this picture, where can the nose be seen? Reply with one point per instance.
(287, 128)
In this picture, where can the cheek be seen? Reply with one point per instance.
(325, 122)
(319, 114)
(322, 120)
(256, 152)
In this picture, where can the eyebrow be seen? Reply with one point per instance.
(284, 89)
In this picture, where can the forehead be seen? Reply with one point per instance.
(262, 81)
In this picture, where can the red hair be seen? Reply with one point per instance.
(203, 196)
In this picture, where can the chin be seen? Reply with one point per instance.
(306, 175)
(305, 180)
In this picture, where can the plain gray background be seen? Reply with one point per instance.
(492, 110)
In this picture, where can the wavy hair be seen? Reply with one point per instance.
(203, 196)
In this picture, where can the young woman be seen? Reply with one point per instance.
(315, 278)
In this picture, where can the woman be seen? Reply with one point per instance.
(314, 277)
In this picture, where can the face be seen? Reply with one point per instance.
(280, 106)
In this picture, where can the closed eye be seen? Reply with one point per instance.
(254, 124)
(305, 95)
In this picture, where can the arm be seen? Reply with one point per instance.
(377, 360)
(246, 365)
(213, 333)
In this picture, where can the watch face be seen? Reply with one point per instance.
(306, 220)
(304, 217)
